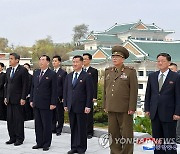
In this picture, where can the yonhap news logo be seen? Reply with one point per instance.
(105, 140)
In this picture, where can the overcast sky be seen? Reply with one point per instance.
(25, 21)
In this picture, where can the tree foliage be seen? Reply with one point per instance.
(80, 32)
(3, 44)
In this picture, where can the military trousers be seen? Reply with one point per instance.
(120, 127)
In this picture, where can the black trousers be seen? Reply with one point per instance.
(43, 125)
(28, 111)
(90, 123)
(3, 109)
(165, 130)
(58, 118)
(78, 131)
(15, 122)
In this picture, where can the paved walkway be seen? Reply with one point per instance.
(60, 144)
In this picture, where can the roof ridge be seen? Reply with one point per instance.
(145, 41)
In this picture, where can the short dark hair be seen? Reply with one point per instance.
(58, 57)
(1, 64)
(28, 65)
(168, 57)
(88, 54)
(15, 55)
(47, 58)
(78, 56)
(173, 64)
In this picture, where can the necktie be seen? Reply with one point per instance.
(75, 79)
(41, 75)
(161, 82)
(12, 73)
(85, 69)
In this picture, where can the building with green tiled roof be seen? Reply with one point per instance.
(152, 48)
(119, 33)
(143, 41)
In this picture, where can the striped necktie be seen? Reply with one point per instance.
(161, 81)
(41, 75)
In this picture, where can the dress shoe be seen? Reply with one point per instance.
(17, 143)
(36, 147)
(10, 142)
(53, 131)
(58, 134)
(89, 136)
(45, 148)
(72, 152)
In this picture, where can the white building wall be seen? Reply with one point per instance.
(89, 46)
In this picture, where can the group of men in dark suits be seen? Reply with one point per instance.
(49, 93)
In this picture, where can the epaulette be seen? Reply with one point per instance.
(129, 67)
(109, 68)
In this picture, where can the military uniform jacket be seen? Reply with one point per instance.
(120, 89)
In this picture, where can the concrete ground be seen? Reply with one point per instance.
(60, 144)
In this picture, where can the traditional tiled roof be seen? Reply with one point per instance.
(93, 61)
(153, 48)
(121, 28)
(103, 38)
(107, 52)
(80, 52)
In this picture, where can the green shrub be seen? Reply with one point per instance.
(99, 115)
(142, 124)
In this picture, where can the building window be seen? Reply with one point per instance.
(148, 39)
(140, 86)
(140, 73)
(154, 39)
(148, 72)
(142, 38)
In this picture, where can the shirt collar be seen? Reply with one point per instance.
(78, 72)
(15, 67)
(86, 68)
(165, 73)
(56, 69)
(44, 70)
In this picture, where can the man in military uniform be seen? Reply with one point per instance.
(120, 98)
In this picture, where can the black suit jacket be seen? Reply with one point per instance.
(44, 93)
(166, 102)
(79, 96)
(94, 74)
(2, 83)
(16, 88)
(61, 75)
(30, 82)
